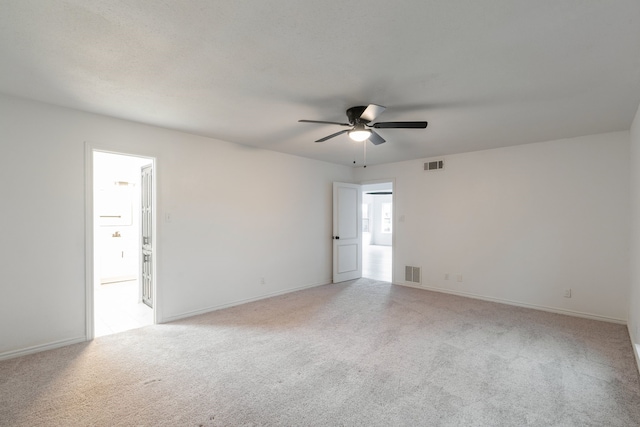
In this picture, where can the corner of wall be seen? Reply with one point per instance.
(634, 249)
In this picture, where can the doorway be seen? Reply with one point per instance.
(377, 231)
(119, 276)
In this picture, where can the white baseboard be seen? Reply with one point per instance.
(57, 344)
(520, 304)
(239, 302)
(42, 347)
(636, 347)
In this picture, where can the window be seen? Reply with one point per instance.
(386, 217)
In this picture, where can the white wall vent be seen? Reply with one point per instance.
(434, 165)
(412, 274)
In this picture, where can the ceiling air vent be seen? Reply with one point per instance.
(434, 165)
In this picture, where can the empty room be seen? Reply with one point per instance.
(481, 159)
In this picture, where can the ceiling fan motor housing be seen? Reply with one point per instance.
(354, 113)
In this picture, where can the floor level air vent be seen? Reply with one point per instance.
(412, 274)
(434, 165)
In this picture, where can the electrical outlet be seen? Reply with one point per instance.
(262, 281)
(446, 276)
(459, 277)
(567, 293)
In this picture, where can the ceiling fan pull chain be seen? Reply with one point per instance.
(355, 153)
(364, 144)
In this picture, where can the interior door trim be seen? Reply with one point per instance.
(89, 149)
(394, 220)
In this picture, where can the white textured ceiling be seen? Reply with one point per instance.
(484, 74)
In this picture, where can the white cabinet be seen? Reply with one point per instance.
(119, 254)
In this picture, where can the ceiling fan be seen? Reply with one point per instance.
(361, 130)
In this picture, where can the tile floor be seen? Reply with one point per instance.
(116, 308)
(376, 262)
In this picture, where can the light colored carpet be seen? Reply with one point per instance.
(363, 353)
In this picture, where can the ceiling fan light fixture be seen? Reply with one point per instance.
(359, 133)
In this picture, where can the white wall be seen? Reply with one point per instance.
(238, 214)
(520, 224)
(634, 294)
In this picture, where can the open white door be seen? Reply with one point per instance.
(347, 232)
(146, 228)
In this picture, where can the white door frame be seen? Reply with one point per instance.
(89, 149)
(394, 220)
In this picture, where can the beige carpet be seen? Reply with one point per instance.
(356, 354)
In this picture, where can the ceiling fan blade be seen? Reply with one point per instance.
(371, 112)
(326, 123)
(376, 139)
(400, 125)
(333, 135)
